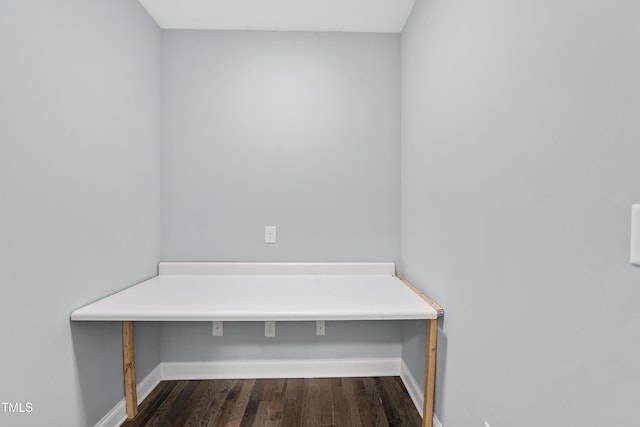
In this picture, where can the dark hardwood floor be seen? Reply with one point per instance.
(342, 402)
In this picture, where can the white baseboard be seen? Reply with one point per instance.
(314, 368)
(414, 388)
(116, 416)
(416, 391)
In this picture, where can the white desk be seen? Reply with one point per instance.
(266, 292)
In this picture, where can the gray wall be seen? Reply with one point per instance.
(193, 342)
(520, 152)
(297, 130)
(79, 198)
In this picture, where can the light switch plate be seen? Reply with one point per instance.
(635, 235)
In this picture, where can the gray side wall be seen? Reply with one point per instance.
(297, 130)
(79, 198)
(520, 152)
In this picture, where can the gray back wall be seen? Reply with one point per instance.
(79, 199)
(297, 130)
(520, 162)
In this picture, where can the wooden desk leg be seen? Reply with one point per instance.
(430, 374)
(129, 369)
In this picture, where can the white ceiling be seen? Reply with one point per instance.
(383, 16)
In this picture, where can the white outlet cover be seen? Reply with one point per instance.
(270, 234)
(217, 329)
(320, 327)
(270, 328)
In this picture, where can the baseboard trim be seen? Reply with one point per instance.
(415, 390)
(116, 416)
(313, 368)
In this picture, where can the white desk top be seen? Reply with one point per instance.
(217, 292)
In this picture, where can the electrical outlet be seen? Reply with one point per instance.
(270, 234)
(269, 328)
(320, 327)
(217, 329)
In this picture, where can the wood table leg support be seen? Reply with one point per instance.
(129, 369)
(430, 374)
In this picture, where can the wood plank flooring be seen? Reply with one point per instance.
(341, 402)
